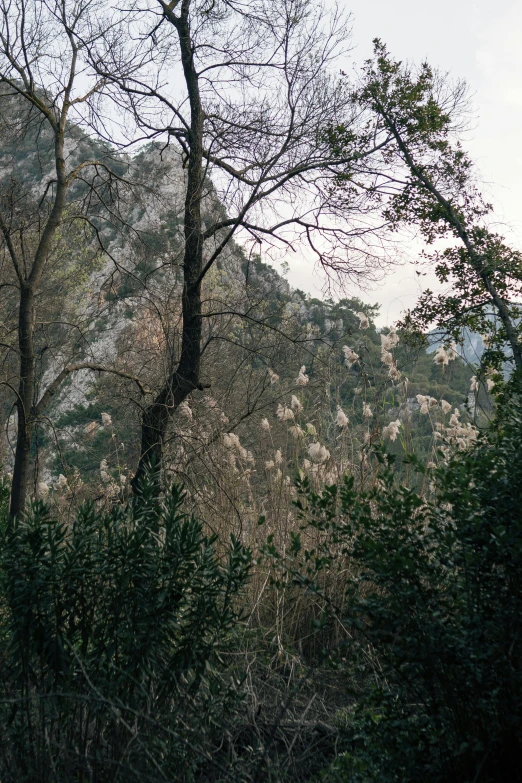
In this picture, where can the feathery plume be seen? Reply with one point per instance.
(390, 340)
(445, 405)
(394, 372)
(441, 356)
(265, 425)
(363, 321)
(284, 413)
(302, 379)
(318, 453)
(391, 430)
(43, 489)
(454, 418)
(386, 357)
(350, 357)
(296, 404)
(341, 418)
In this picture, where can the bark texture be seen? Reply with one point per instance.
(185, 378)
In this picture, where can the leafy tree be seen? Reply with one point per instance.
(425, 179)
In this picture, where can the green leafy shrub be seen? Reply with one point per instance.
(112, 631)
(434, 593)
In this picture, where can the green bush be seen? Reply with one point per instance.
(112, 632)
(434, 594)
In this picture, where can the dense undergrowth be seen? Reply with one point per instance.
(386, 644)
(112, 632)
(432, 606)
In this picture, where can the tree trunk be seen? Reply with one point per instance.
(186, 377)
(22, 463)
(24, 403)
(476, 260)
(26, 320)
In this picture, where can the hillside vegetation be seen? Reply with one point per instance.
(246, 535)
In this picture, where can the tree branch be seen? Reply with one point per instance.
(56, 383)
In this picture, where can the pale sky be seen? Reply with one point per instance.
(480, 43)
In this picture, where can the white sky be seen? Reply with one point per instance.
(476, 41)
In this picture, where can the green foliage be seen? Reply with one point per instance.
(417, 117)
(112, 632)
(434, 593)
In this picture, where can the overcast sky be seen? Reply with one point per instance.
(479, 42)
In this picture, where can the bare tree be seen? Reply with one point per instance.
(245, 91)
(47, 91)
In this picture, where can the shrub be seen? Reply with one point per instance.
(434, 593)
(112, 632)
